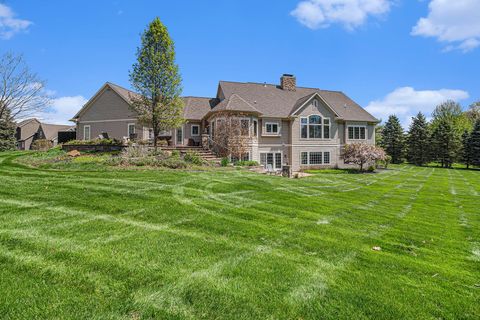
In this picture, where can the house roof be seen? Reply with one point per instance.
(51, 130)
(27, 121)
(195, 107)
(272, 101)
(235, 103)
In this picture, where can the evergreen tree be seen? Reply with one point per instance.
(475, 144)
(418, 141)
(157, 79)
(446, 143)
(393, 140)
(466, 149)
(7, 133)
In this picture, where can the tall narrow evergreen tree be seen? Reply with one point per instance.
(418, 141)
(475, 144)
(7, 133)
(466, 149)
(393, 140)
(446, 143)
(156, 78)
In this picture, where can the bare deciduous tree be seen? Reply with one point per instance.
(22, 93)
(231, 136)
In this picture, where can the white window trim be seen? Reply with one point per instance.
(279, 128)
(191, 130)
(322, 125)
(355, 126)
(322, 158)
(89, 132)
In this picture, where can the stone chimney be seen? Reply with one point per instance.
(288, 82)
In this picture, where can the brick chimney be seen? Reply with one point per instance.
(288, 82)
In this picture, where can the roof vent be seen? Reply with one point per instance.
(288, 82)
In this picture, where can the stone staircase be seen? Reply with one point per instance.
(206, 155)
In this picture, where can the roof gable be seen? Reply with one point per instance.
(302, 102)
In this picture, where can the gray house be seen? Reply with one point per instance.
(302, 127)
(29, 130)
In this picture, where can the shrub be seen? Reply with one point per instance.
(193, 158)
(175, 153)
(246, 163)
(105, 142)
(135, 152)
(42, 145)
(224, 162)
(173, 163)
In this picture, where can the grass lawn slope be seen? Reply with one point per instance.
(229, 244)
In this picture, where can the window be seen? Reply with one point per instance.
(273, 159)
(180, 136)
(311, 127)
(195, 129)
(304, 158)
(131, 130)
(255, 128)
(246, 156)
(326, 158)
(326, 128)
(86, 133)
(245, 127)
(304, 128)
(315, 103)
(356, 133)
(315, 158)
(271, 128)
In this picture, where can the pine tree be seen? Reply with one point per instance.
(418, 141)
(393, 140)
(466, 149)
(446, 143)
(475, 144)
(7, 134)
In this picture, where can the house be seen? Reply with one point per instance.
(287, 124)
(29, 130)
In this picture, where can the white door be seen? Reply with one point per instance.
(274, 159)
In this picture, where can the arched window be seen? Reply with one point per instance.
(315, 127)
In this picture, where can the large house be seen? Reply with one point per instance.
(302, 127)
(29, 130)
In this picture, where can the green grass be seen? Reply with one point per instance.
(230, 244)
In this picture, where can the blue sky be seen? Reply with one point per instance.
(399, 56)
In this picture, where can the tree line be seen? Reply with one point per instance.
(451, 136)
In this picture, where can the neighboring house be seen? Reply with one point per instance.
(302, 127)
(31, 129)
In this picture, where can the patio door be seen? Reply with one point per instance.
(271, 159)
(179, 136)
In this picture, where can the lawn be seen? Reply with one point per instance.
(230, 244)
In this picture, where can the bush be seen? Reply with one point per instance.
(224, 162)
(249, 163)
(104, 142)
(135, 152)
(42, 145)
(175, 153)
(173, 163)
(193, 158)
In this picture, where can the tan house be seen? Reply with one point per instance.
(301, 127)
(29, 130)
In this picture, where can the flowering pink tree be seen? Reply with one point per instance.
(361, 154)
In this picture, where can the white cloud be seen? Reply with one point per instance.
(316, 14)
(9, 25)
(62, 109)
(454, 22)
(406, 102)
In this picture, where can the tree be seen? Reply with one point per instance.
(156, 78)
(22, 93)
(393, 140)
(7, 133)
(466, 149)
(418, 141)
(231, 135)
(379, 135)
(475, 144)
(361, 154)
(448, 124)
(446, 143)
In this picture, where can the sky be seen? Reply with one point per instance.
(390, 56)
